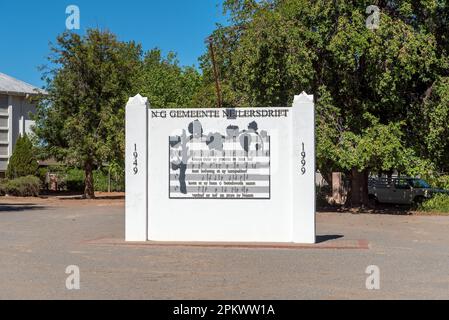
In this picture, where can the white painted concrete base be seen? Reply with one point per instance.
(216, 175)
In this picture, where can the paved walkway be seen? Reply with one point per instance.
(40, 238)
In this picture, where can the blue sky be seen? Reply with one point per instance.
(27, 27)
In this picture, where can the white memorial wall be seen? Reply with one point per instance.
(220, 175)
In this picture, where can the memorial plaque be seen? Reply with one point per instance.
(220, 175)
(232, 164)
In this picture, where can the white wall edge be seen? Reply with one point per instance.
(303, 184)
(137, 172)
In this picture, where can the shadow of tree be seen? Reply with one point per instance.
(9, 207)
(402, 210)
(83, 198)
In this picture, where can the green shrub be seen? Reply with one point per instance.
(3, 187)
(21, 187)
(74, 180)
(101, 181)
(441, 182)
(23, 161)
(439, 203)
(42, 174)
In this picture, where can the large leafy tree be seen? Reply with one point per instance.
(166, 83)
(373, 88)
(90, 78)
(434, 128)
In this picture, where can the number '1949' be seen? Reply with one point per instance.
(136, 163)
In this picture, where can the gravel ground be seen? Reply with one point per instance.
(39, 238)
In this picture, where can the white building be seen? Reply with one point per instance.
(15, 109)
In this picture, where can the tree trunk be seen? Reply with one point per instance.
(359, 188)
(89, 191)
(338, 189)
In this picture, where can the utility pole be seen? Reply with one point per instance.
(210, 40)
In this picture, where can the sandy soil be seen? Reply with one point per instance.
(103, 199)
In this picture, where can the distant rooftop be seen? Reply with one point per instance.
(12, 86)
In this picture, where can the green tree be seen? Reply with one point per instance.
(82, 119)
(433, 127)
(165, 83)
(370, 86)
(23, 162)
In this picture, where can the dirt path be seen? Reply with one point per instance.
(103, 199)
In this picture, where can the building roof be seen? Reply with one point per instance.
(12, 86)
(49, 162)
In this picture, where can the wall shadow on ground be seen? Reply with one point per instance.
(326, 238)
